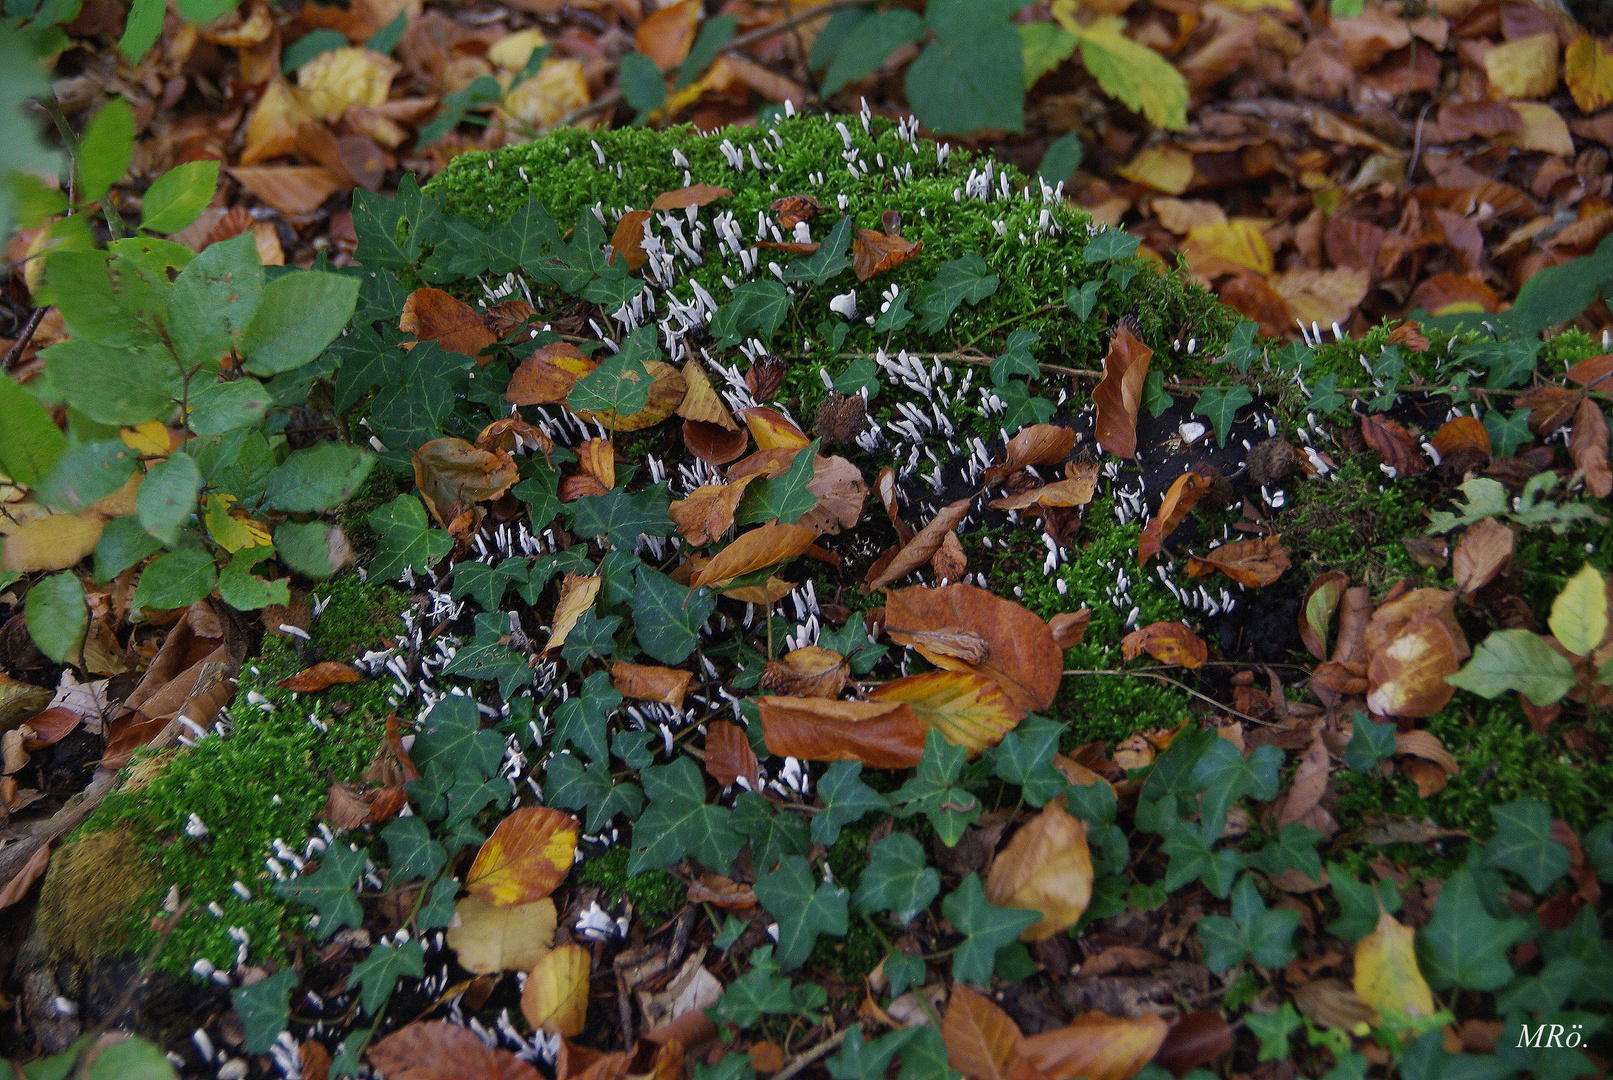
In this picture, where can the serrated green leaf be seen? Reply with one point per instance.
(112, 384)
(866, 47)
(214, 300)
(105, 150)
(379, 972)
(897, 879)
(1134, 74)
(175, 580)
(829, 260)
(123, 543)
(803, 907)
(329, 890)
(56, 614)
(1225, 775)
(1221, 407)
(264, 1009)
(1463, 945)
(1194, 858)
(392, 231)
(1523, 844)
(1516, 660)
(408, 542)
(846, 799)
(986, 927)
(667, 616)
(1044, 46)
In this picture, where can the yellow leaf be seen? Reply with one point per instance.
(1386, 972)
(768, 545)
(1239, 241)
(149, 439)
(233, 530)
(332, 81)
(52, 542)
(556, 994)
(576, 596)
(1132, 73)
(969, 709)
(1588, 70)
(487, 939)
(1046, 867)
(513, 51)
(1164, 168)
(772, 430)
(527, 856)
(1544, 130)
(1525, 68)
(541, 101)
(1579, 614)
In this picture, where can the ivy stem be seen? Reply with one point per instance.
(1146, 674)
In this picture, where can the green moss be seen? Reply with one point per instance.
(1562, 351)
(379, 487)
(1357, 523)
(267, 779)
(657, 895)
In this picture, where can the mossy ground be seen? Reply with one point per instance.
(267, 778)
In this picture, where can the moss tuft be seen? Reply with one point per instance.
(657, 895)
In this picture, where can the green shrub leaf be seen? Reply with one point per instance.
(320, 477)
(869, 42)
(105, 150)
(1516, 660)
(167, 496)
(175, 580)
(1134, 74)
(56, 614)
(299, 314)
(178, 197)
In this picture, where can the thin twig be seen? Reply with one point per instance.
(14, 353)
(615, 98)
(812, 1056)
(1180, 686)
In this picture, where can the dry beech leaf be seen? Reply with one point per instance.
(1391, 618)
(577, 595)
(1407, 675)
(702, 403)
(439, 1050)
(880, 734)
(1593, 372)
(1167, 642)
(1333, 1003)
(1464, 433)
(1034, 445)
(488, 938)
(1119, 394)
(712, 443)
(547, 375)
(1588, 447)
(1194, 1039)
(795, 208)
(729, 755)
(1183, 494)
(949, 561)
(293, 190)
(1426, 746)
(528, 855)
(1069, 628)
(628, 239)
(321, 676)
(693, 195)
(761, 547)
(919, 550)
(597, 458)
(1322, 296)
(1386, 973)
(512, 434)
(1483, 551)
(841, 492)
(1316, 610)
(981, 1041)
(453, 476)
(1309, 783)
(1023, 658)
(1096, 1046)
(772, 430)
(809, 671)
(724, 892)
(649, 682)
(708, 512)
(1394, 444)
(556, 994)
(1045, 867)
(1073, 491)
(971, 710)
(875, 252)
(1250, 563)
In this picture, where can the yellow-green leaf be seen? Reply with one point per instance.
(1134, 74)
(1579, 614)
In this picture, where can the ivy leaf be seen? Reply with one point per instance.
(851, 641)
(522, 242)
(379, 972)
(1325, 397)
(264, 1009)
(1523, 844)
(408, 542)
(451, 735)
(761, 991)
(1516, 660)
(773, 835)
(1017, 360)
(1463, 945)
(580, 720)
(418, 387)
(634, 747)
(1370, 742)
(592, 635)
(1220, 406)
(961, 279)
(986, 927)
(678, 822)
(860, 1059)
(487, 584)
(828, 260)
(1293, 849)
(783, 498)
(1093, 803)
(1193, 857)
(329, 890)
(1025, 757)
(392, 232)
(489, 658)
(1242, 349)
(1110, 245)
(932, 792)
(621, 517)
(759, 308)
(572, 785)
(897, 879)
(413, 853)
(439, 908)
(859, 374)
(925, 1057)
(903, 971)
(845, 799)
(1083, 299)
(1273, 1030)
(1253, 931)
(1508, 431)
(1225, 775)
(667, 616)
(803, 907)
(620, 385)
(1359, 903)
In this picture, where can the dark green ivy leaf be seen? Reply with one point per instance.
(1358, 903)
(986, 927)
(572, 785)
(1192, 857)
(264, 1009)
(961, 279)
(408, 542)
(1108, 245)
(1253, 931)
(846, 799)
(1523, 844)
(773, 835)
(667, 616)
(580, 720)
(1225, 775)
(1370, 742)
(329, 890)
(803, 907)
(860, 1059)
(784, 497)
(1220, 406)
(413, 853)
(828, 260)
(620, 384)
(761, 991)
(379, 972)
(897, 879)
(678, 822)
(621, 517)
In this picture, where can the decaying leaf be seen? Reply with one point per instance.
(628, 239)
(766, 545)
(1167, 642)
(1023, 658)
(1120, 393)
(321, 676)
(809, 671)
(969, 709)
(1250, 563)
(488, 938)
(729, 755)
(1316, 610)
(982, 1041)
(1394, 444)
(874, 252)
(1407, 675)
(841, 492)
(453, 476)
(1069, 628)
(693, 195)
(1386, 973)
(772, 430)
(701, 403)
(707, 513)
(527, 856)
(667, 391)
(1045, 867)
(880, 734)
(1588, 447)
(433, 315)
(577, 595)
(1482, 551)
(1076, 490)
(547, 375)
(1033, 445)
(556, 994)
(649, 682)
(435, 1049)
(1096, 1046)
(1184, 494)
(918, 551)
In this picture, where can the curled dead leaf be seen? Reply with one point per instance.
(880, 734)
(767, 545)
(1183, 494)
(1250, 563)
(918, 551)
(1167, 642)
(649, 682)
(809, 671)
(1120, 393)
(729, 755)
(1023, 657)
(1394, 444)
(1045, 867)
(1096, 1046)
(1482, 551)
(1069, 628)
(321, 676)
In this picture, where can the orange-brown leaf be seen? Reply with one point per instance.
(528, 855)
(321, 676)
(1250, 563)
(693, 195)
(1394, 444)
(1167, 642)
(453, 476)
(577, 594)
(556, 994)
(765, 546)
(1588, 447)
(547, 375)
(666, 34)
(1463, 433)
(982, 1042)
(1120, 393)
(1022, 656)
(729, 755)
(795, 208)
(708, 511)
(433, 315)
(597, 458)
(1407, 675)
(772, 430)
(880, 734)
(1096, 1046)
(701, 402)
(1069, 628)
(809, 671)
(917, 551)
(439, 1050)
(969, 709)
(650, 682)
(712, 444)
(1046, 867)
(874, 252)
(1482, 551)
(1183, 494)
(628, 239)
(1076, 490)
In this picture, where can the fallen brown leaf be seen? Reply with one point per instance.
(1120, 393)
